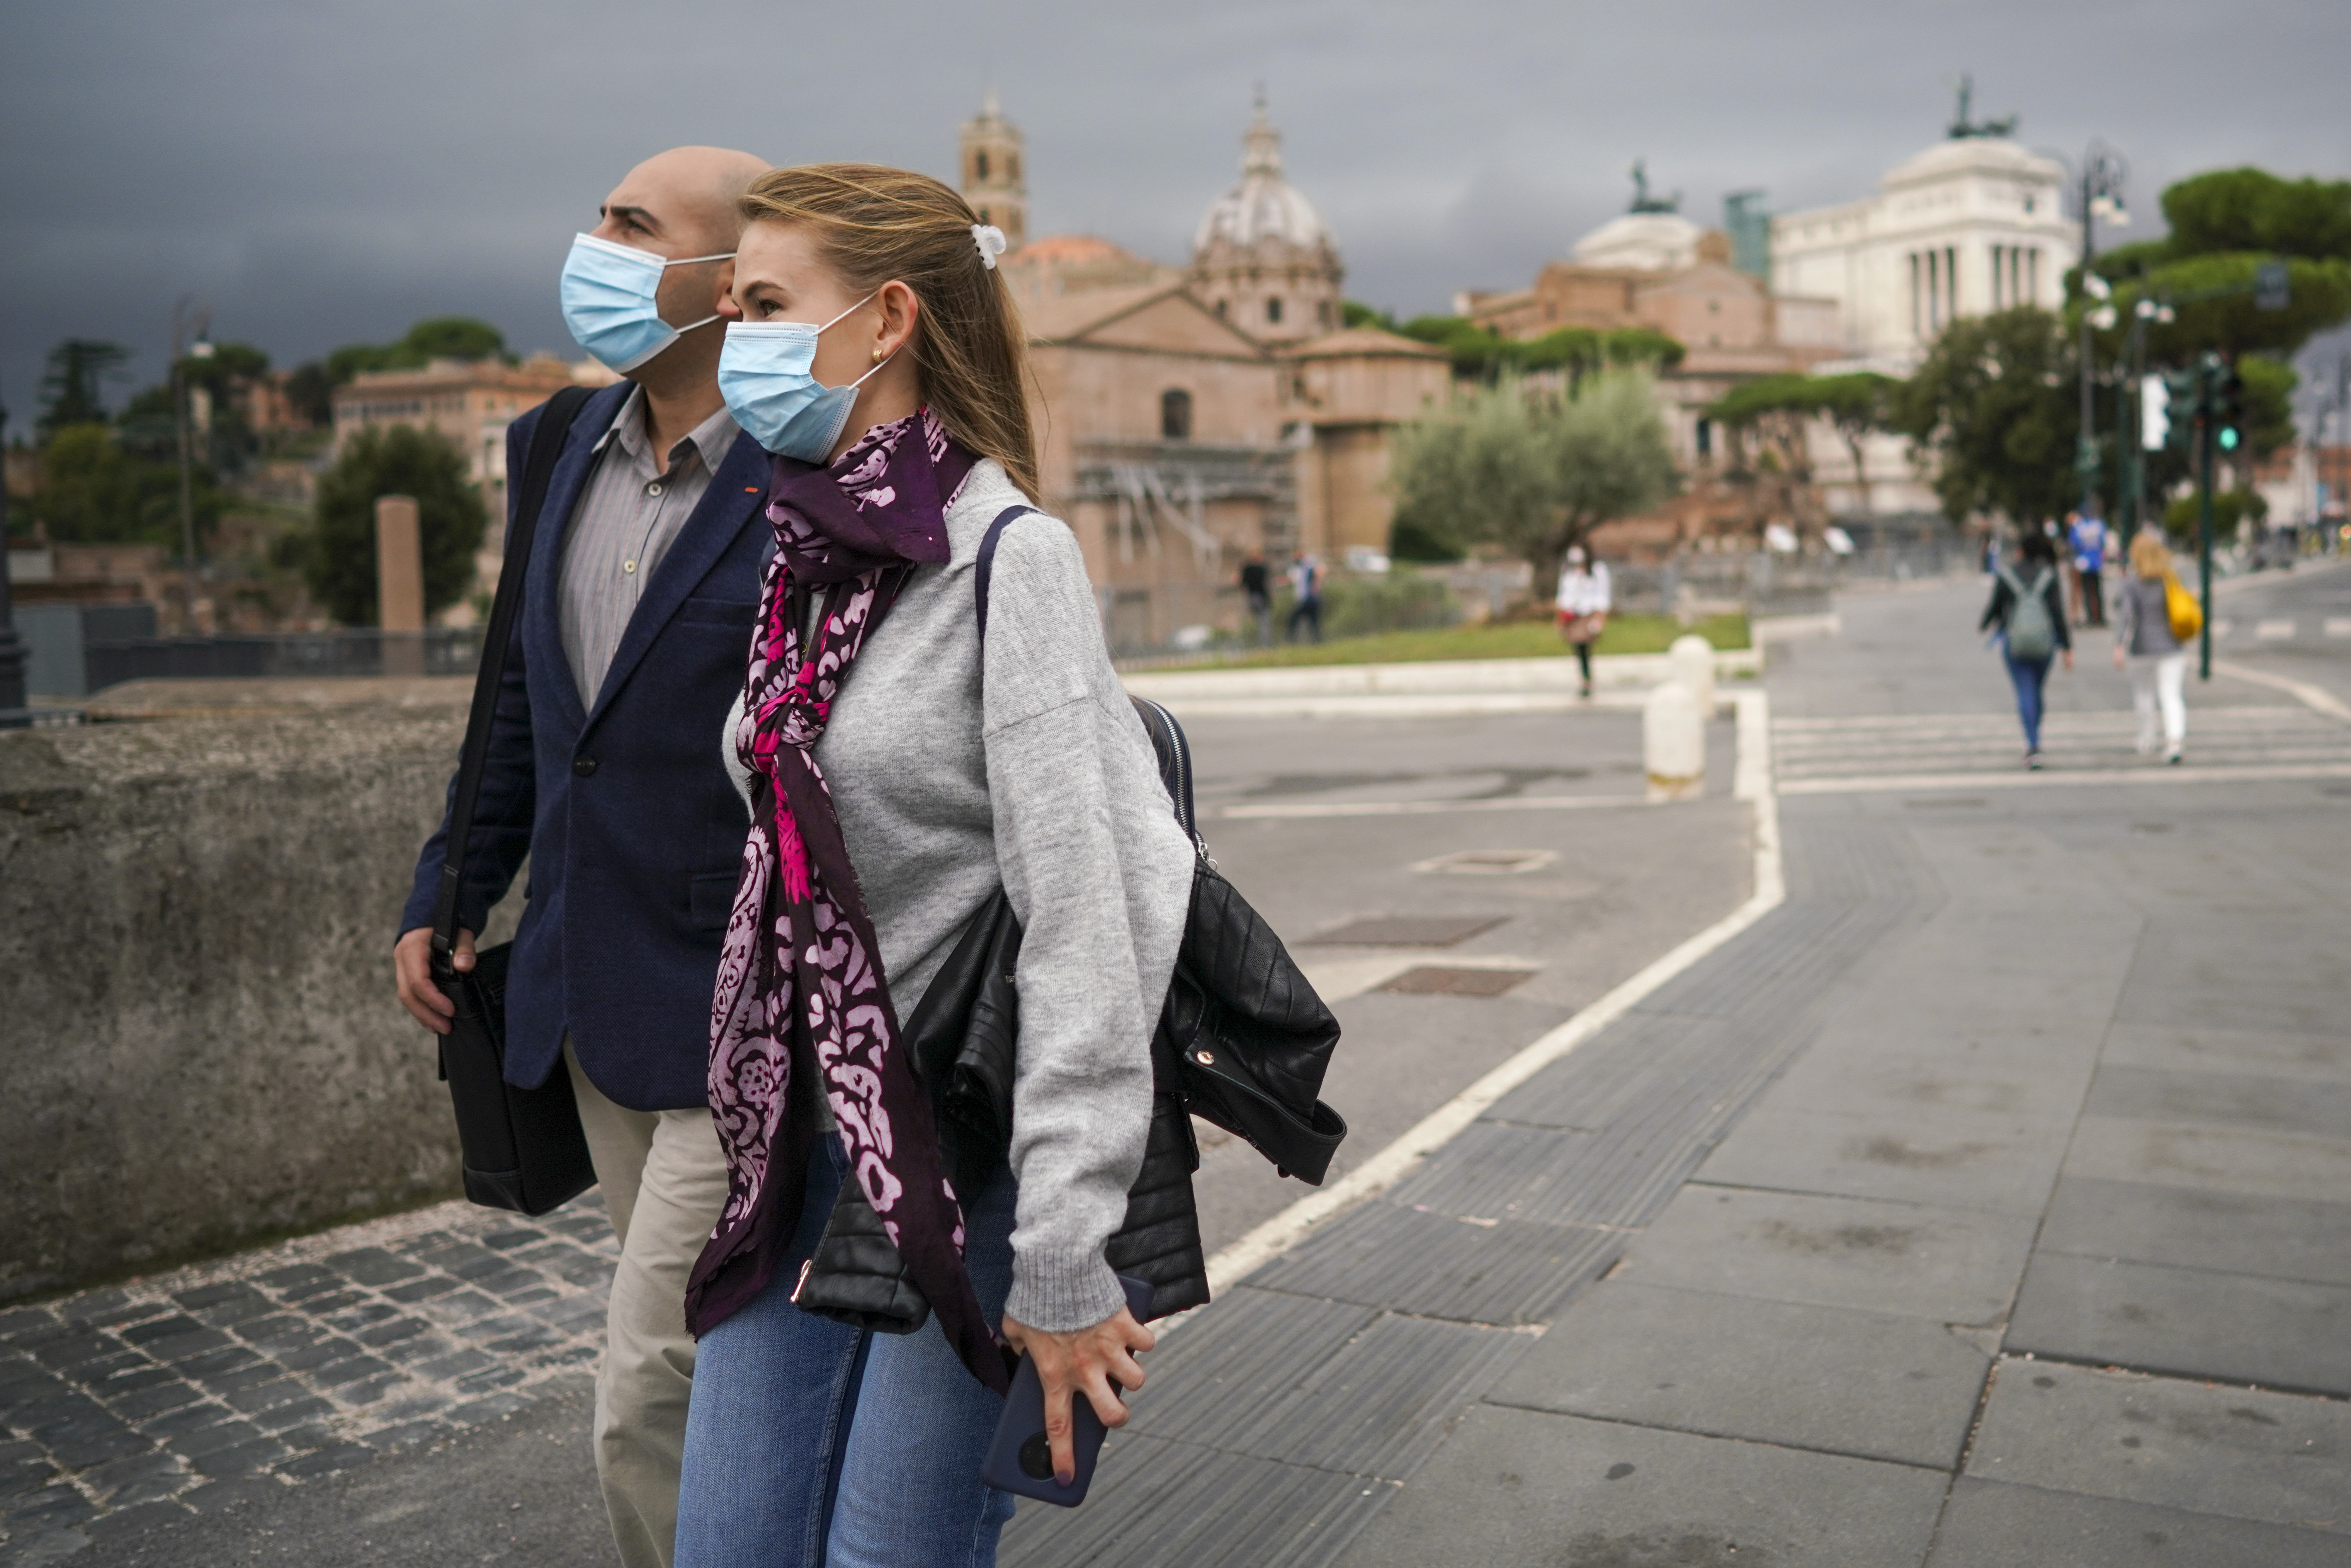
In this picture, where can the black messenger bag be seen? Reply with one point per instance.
(523, 1148)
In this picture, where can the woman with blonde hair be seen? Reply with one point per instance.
(2145, 645)
(900, 767)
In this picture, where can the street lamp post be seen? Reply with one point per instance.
(2103, 175)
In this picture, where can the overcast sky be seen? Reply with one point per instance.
(324, 172)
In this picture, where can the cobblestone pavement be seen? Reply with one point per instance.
(127, 1407)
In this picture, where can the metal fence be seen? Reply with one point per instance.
(442, 651)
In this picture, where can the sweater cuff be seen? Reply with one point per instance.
(1063, 1290)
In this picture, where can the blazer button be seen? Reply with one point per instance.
(584, 765)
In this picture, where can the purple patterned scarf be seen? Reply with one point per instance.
(801, 1004)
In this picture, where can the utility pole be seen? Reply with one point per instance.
(184, 318)
(2208, 390)
(2103, 175)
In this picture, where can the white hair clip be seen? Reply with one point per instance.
(990, 240)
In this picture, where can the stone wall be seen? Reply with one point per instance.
(198, 1038)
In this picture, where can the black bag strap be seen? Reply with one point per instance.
(546, 446)
(986, 567)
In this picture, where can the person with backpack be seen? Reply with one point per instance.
(905, 762)
(2148, 643)
(2027, 614)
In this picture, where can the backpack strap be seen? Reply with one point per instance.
(1169, 748)
(986, 566)
(546, 442)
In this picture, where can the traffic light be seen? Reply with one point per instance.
(2183, 399)
(2228, 408)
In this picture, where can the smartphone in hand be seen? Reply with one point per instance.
(1021, 1458)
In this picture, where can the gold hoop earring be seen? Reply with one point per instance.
(877, 356)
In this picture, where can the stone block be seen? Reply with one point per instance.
(1948, 1265)
(2239, 1328)
(2239, 1452)
(1992, 1524)
(1521, 1488)
(1872, 1384)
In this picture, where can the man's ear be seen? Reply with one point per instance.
(725, 282)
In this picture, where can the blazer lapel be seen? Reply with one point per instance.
(731, 501)
(542, 619)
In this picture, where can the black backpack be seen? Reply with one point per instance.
(1243, 1043)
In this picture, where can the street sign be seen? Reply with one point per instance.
(2273, 286)
(2154, 414)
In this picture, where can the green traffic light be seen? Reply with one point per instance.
(2227, 439)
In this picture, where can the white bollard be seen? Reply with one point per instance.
(1691, 659)
(1673, 740)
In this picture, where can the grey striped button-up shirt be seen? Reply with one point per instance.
(626, 520)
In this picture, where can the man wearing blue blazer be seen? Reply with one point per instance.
(605, 769)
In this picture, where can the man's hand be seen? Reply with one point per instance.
(1090, 1359)
(411, 966)
(2118, 655)
(2069, 661)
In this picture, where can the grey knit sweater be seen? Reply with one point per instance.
(1035, 775)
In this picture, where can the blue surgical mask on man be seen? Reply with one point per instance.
(609, 301)
(764, 374)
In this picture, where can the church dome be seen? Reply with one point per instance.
(1264, 205)
(1962, 155)
(1647, 242)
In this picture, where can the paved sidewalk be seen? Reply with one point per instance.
(228, 1383)
(1983, 1205)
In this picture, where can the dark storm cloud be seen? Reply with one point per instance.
(323, 172)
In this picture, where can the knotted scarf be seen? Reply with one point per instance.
(802, 1006)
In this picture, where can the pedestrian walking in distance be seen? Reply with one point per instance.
(2087, 537)
(1257, 588)
(2027, 616)
(628, 648)
(1306, 582)
(1583, 605)
(904, 754)
(2145, 646)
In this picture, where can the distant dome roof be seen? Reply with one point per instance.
(1653, 242)
(1974, 155)
(1264, 205)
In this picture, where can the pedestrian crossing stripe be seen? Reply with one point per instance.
(1860, 754)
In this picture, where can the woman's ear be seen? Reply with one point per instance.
(898, 311)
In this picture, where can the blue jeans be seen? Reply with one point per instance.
(2027, 676)
(808, 1443)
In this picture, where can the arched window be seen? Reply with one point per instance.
(1322, 312)
(979, 162)
(1012, 167)
(1175, 414)
(1220, 309)
(1274, 311)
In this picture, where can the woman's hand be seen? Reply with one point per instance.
(1089, 1359)
(2118, 655)
(2069, 661)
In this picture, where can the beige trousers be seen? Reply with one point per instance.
(663, 1181)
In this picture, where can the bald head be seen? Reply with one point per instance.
(681, 202)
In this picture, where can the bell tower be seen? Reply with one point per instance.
(993, 181)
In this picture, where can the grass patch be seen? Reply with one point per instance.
(1506, 640)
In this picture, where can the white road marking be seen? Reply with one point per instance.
(1309, 809)
(2273, 630)
(2339, 626)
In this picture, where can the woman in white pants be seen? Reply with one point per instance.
(2156, 661)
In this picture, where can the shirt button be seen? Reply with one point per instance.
(654, 488)
(628, 566)
(583, 766)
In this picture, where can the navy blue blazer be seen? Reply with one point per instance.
(633, 829)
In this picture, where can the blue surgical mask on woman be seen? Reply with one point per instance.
(764, 374)
(608, 301)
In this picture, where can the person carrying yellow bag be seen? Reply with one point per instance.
(2153, 623)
